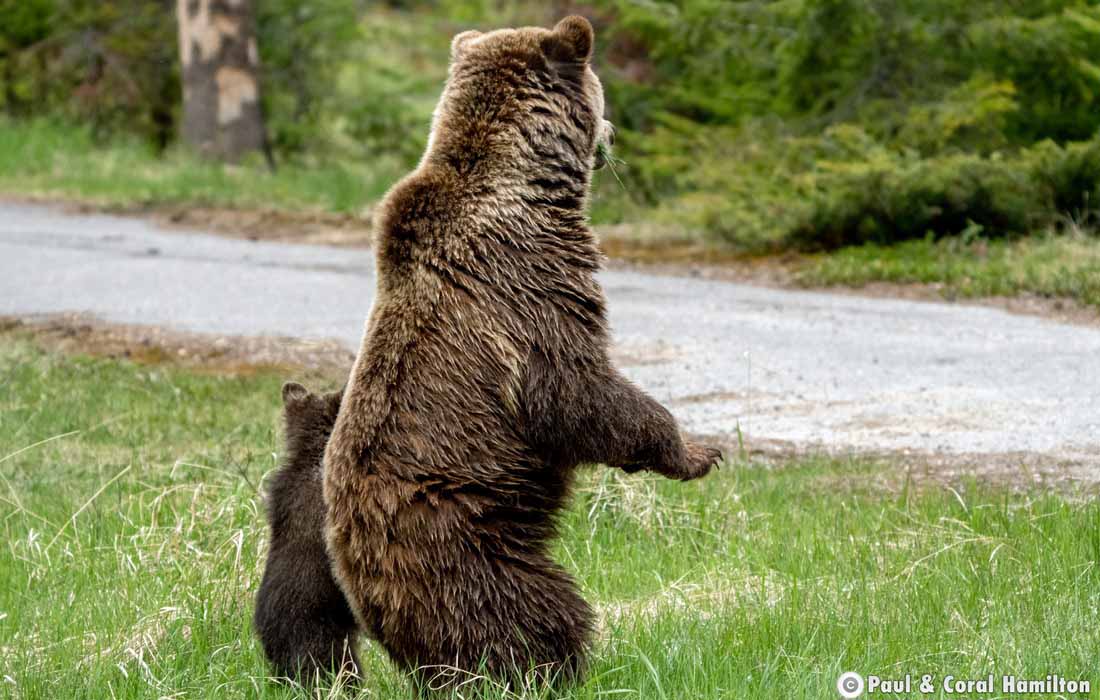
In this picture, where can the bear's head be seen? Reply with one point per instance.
(308, 418)
(523, 96)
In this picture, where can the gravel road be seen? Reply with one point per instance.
(841, 372)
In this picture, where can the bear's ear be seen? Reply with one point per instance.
(293, 391)
(461, 40)
(570, 41)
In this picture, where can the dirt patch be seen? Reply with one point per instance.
(149, 345)
(919, 469)
(275, 225)
(1056, 309)
(270, 225)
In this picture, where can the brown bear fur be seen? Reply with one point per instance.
(483, 378)
(302, 618)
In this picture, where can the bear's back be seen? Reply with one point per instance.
(450, 447)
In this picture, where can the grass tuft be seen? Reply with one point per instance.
(1051, 265)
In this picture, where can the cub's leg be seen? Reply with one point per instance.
(305, 626)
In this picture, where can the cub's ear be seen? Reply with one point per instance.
(570, 41)
(460, 41)
(334, 399)
(293, 391)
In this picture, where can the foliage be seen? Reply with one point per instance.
(111, 63)
(752, 124)
(971, 117)
(301, 44)
(709, 61)
(26, 24)
(846, 188)
(1053, 61)
(848, 60)
(894, 199)
(825, 123)
(342, 87)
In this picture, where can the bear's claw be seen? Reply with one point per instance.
(700, 460)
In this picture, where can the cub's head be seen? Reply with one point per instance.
(308, 418)
(523, 96)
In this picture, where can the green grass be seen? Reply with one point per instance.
(1066, 266)
(134, 541)
(52, 159)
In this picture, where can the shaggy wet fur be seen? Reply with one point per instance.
(302, 618)
(484, 379)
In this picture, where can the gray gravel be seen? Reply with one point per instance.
(838, 371)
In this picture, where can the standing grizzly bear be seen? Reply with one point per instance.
(301, 617)
(483, 379)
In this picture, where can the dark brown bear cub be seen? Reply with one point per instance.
(484, 377)
(302, 618)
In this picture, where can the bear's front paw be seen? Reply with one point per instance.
(700, 460)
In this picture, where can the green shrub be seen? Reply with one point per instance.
(24, 25)
(301, 45)
(971, 117)
(1052, 59)
(111, 64)
(757, 189)
(895, 200)
(1070, 178)
(907, 198)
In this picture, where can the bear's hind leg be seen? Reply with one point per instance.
(533, 626)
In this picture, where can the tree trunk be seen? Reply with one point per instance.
(222, 116)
